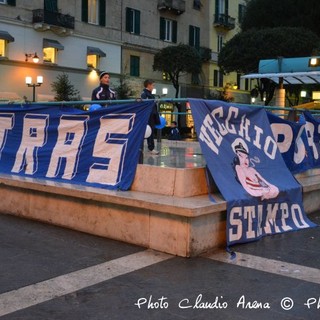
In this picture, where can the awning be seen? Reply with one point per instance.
(310, 77)
(49, 43)
(95, 51)
(4, 35)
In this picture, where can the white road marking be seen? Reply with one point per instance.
(53, 288)
(278, 267)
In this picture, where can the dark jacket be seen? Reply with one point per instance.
(174, 134)
(103, 92)
(154, 116)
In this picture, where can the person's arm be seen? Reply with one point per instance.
(114, 94)
(93, 95)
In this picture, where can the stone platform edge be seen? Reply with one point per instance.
(183, 226)
(180, 226)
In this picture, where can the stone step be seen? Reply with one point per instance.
(162, 216)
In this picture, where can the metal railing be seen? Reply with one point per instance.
(53, 18)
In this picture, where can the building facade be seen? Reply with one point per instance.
(82, 37)
(224, 23)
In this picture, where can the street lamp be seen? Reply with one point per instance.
(34, 57)
(164, 92)
(34, 85)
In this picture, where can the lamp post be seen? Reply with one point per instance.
(34, 85)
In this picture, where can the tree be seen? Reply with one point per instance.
(64, 89)
(262, 14)
(177, 60)
(244, 51)
(124, 90)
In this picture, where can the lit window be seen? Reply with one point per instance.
(50, 50)
(3, 1)
(93, 11)
(2, 48)
(93, 57)
(92, 61)
(5, 38)
(50, 55)
(166, 76)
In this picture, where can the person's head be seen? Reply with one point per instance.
(149, 84)
(104, 78)
(240, 148)
(243, 158)
(173, 124)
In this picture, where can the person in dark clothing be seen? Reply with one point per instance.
(174, 132)
(103, 92)
(154, 117)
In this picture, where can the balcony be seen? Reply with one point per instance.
(175, 6)
(224, 21)
(48, 20)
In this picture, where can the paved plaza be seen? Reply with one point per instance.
(52, 273)
(49, 272)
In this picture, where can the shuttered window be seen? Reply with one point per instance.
(132, 21)
(168, 30)
(194, 37)
(134, 66)
(94, 11)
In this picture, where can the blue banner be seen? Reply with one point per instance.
(98, 148)
(291, 138)
(242, 155)
(312, 128)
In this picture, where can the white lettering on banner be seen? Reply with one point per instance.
(259, 132)
(112, 148)
(244, 128)
(72, 130)
(246, 222)
(214, 128)
(298, 217)
(6, 124)
(310, 129)
(270, 147)
(219, 111)
(283, 134)
(285, 215)
(34, 136)
(233, 113)
(272, 211)
(300, 148)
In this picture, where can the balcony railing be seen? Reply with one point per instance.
(175, 6)
(224, 21)
(53, 18)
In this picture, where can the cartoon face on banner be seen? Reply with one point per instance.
(250, 179)
(244, 160)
